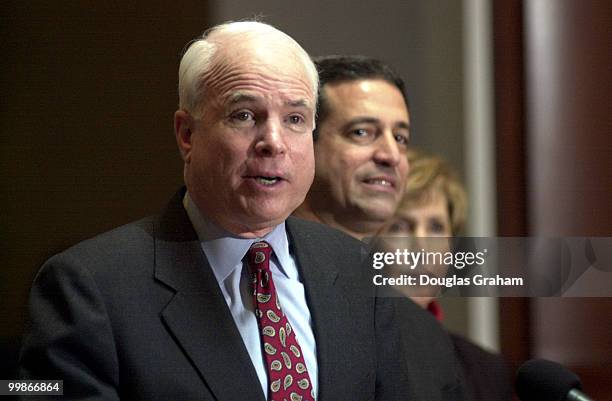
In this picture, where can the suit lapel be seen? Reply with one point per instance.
(197, 316)
(319, 274)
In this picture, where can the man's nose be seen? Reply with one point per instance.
(387, 150)
(270, 140)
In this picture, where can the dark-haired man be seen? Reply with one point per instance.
(363, 128)
(362, 134)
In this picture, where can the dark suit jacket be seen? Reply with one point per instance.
(137, 314)
(486, 374)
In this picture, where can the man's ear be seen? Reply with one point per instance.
(183, 129)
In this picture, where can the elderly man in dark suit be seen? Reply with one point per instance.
(222, 297)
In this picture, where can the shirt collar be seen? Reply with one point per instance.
(225, 250)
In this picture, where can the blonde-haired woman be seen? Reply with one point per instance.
(434, 206)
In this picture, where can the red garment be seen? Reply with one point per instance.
(287, 373)
(435, 309)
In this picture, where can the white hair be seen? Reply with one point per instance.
(199, 59)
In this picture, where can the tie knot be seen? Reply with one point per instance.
(259, 255)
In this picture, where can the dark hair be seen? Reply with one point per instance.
(337, 69)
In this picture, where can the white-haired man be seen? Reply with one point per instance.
(223, 297)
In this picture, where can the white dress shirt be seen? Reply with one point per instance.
(225, 253)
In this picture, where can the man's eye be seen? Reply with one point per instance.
(402, 139)
(296, 119)
(242, 116)
(360, 133)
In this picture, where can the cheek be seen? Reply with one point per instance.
(404, 168)
(353, 156)
(309, 167)
(226, 158)
(447, 231)
(352, 162)
(304, 160)
(322, 162)
(199, 157)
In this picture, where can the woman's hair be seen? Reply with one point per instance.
(430, 175)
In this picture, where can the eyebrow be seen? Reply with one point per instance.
(297, 103)
(240, 97)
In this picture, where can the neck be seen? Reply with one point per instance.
(248, 234)
(360, 231)
(198, 215)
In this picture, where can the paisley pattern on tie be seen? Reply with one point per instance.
(287, 374)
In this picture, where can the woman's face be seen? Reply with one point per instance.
(422, 225)
(425, 219)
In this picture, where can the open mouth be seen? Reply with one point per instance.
(267, 180)
(379, 181)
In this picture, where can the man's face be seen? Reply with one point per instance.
(250, 159)
(361, 164)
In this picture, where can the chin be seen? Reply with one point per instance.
(381, 213)
(268, 211)
(265, 220)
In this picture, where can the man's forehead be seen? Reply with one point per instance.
(284, 98)
(363, 89)
(275, 66)
(363, 99)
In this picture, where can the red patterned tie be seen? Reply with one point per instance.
(287, 375)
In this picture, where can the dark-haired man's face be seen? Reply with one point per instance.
(360, 159)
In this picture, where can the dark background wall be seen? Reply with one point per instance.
(569, 121)
(89, 89)
(554, 154)
(86, 141)
(88, 93)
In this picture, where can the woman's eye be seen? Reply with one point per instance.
(401, 227)
(437, 227)
(395, 228)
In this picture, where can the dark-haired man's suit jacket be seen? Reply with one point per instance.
(137, 314)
